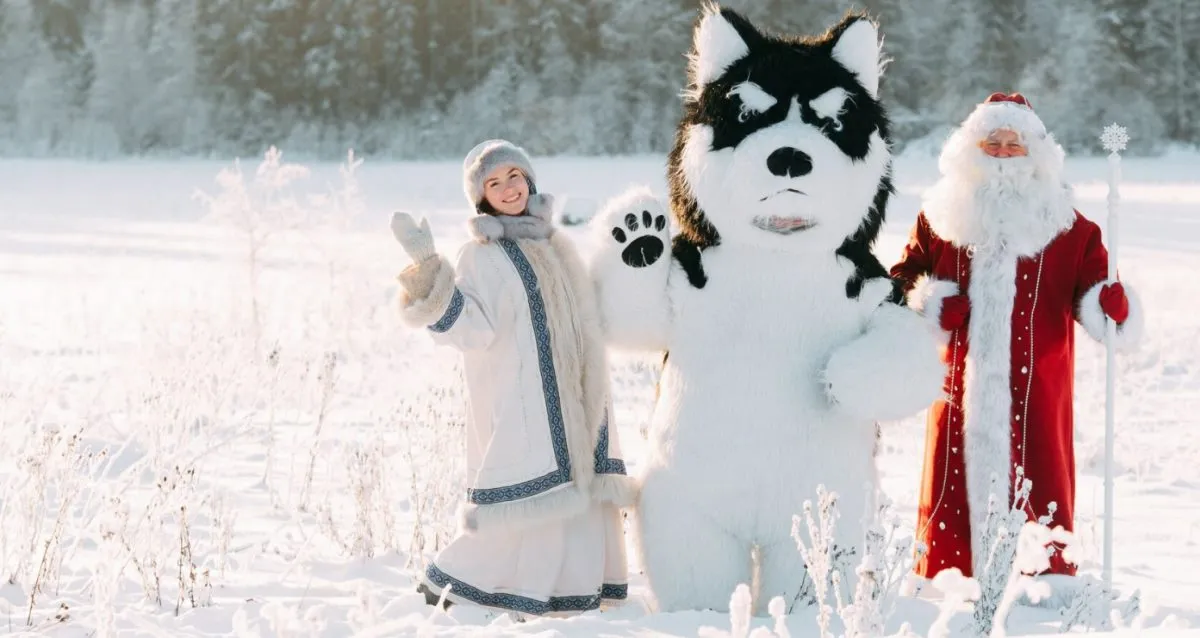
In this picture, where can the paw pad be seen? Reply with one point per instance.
(644, 248)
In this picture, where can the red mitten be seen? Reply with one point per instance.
(955, 312)
(1114, 303)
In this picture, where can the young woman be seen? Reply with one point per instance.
(541, 531)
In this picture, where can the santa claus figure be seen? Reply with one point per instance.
(1003, 265)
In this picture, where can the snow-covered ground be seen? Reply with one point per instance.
(184, 453)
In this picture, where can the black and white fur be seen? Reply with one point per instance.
(787, 342)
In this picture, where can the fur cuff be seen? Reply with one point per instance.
(434, 278)
(1094, 321)
(517, 515)
(926, 297)
(620, 490)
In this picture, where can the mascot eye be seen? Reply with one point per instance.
(752, 99)
(831, 105)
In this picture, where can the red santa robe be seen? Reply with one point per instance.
(1031, 265)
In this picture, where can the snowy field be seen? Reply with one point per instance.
(217, 427)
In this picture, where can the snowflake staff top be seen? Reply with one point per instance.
(1114, 138)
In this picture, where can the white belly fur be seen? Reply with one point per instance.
(743, 427)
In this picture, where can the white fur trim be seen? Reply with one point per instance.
(1095, 322)
(989, 116)
(858, 49)
(568, 337)
(987, 389)
(565, 502)
(593, 356)
(485, 228)
(633, 301)
(716, 45)
(618, 489)
(926, 297)
(891, 371)
(424, 311)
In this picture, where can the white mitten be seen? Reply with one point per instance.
(416, 239)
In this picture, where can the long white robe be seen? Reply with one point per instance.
(542, 526)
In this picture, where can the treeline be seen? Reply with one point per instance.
(429, 78)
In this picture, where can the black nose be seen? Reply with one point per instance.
(789, 162)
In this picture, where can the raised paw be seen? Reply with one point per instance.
(643, 247)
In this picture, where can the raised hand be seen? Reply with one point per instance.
(416, 239)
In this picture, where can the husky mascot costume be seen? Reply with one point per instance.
(785, 341)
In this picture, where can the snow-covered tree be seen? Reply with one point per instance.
(119, 108)
(233, 77)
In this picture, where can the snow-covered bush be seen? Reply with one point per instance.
(885, 561)
(433, 428)
(258, 210)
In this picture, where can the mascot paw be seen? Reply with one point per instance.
(850, 384)
(631, 267)
(642, 247)
(889, 372)
(636, 223)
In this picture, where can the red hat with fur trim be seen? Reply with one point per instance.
(1012, 111)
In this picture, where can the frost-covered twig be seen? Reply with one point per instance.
(880, 573)
(326, 379)
(1002, 527)
(186, 563)
(818, 554)
(258, 210)
(433, 430)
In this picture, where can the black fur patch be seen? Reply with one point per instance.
(687, 253)
(787, 68)
(857, 248)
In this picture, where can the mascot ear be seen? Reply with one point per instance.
(717, 43)
(856, 47)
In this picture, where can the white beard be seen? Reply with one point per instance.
(1019, 202)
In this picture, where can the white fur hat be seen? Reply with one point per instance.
(1000, 111)
(484, 158)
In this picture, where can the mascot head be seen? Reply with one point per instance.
(783, 143)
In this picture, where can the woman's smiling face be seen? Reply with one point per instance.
(506, 190)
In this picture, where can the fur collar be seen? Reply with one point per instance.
(1020, 204)
(534, 224)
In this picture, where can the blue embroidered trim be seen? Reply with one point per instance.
(558, 431)
(524, 603)
(614, 592)
(452, 313)
(604, 464)
(533, 487)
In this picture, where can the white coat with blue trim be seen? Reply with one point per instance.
(520, 308)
